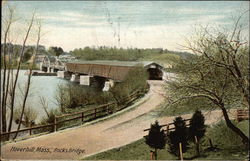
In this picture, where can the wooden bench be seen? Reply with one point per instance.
(242, 114)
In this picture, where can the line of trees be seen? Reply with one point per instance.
(157, 138)
(56, 51)
(129, 54)
(15, 50)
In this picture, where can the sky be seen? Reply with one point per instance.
(127, 24)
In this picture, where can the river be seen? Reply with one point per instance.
(41, 86)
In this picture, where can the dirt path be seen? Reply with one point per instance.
(87, 140)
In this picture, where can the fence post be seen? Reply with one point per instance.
(167, 129)
(55, 124)
(105, 110)
(180, 147)
(110, 109)
(82, 116)
(152, 155)
(30, 129)
(210, 142)
(197, 145)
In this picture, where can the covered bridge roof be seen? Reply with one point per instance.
(116, 70)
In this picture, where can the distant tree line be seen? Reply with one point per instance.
(56, 51)
(100, 53)
(123, 54)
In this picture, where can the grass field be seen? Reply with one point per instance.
(187, 107)
(228, 144)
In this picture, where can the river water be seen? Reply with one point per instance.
(41, 86)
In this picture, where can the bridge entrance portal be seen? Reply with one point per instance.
(155, 74)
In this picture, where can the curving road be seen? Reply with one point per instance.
(123, 128)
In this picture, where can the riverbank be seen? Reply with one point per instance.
(40, 73)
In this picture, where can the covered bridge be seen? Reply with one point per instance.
(115, 70)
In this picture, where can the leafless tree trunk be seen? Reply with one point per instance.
(30, 72)
(17, 74)
(235, 129)
(4, 90)
(10, 70)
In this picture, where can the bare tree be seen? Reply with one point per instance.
(13, 92)
(30, 70)
(9, 84)
(217, 73)
(9, 21)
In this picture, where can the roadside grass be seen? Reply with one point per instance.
(228, 144)
(137, 150)
(185, 108)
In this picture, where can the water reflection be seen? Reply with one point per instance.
(41, 86)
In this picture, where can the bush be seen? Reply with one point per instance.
(156, 138)
(135, 80)
(179, 135)
(197, 126)
(29, 116)
(49, 120)
(72, 96)
(197, 129)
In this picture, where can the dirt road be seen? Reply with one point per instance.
(86, 140)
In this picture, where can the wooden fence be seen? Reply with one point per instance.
(153, 155)
(84, 116)
(170, 124)
(242, 114)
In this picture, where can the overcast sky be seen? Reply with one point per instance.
(141, 24)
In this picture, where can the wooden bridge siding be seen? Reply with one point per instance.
(82, 68)
(114, 72)
(119, 72)
(100, 70)
(70, 67)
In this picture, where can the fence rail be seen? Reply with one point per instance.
(89, 114)
(168, 125)
(27, 129)
(242, 114)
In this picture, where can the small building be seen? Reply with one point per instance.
(65, 57)
(40, 58)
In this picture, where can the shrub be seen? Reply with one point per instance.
(29, 116)
(72, 96)
(156, 138)
(179, 135)
(50, 119)
(197, 127)
(136, 79)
